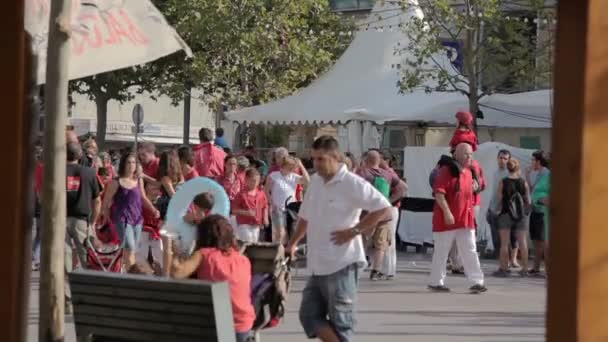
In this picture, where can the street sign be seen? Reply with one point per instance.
(138, 115)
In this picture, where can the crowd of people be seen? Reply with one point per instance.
(349, 213)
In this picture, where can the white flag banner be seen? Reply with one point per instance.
(105, 35)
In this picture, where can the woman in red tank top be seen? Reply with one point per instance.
(216, 258)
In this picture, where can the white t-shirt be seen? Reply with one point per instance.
(283, 187)
(332, 206)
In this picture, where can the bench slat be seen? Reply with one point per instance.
(140, 282)
(115, 322)
(152, 295)
(162, 317)
(137, 304)
(136, 335)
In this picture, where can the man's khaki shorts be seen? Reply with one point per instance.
(381, 238)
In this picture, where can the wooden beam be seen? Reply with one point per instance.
(578, 274)
(16, 200)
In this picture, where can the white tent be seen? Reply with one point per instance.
(362, 86)
(416, 227)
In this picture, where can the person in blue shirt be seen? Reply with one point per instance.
(219, 138)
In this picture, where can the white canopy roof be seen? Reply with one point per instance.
(362, 85)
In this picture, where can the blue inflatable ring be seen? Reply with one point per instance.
(175, 227)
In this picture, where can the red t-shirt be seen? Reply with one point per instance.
(209, 160)
(151, 223)
(151, 169)
(235, 269)
(233, 188)
(191, 175)
(247, 201)
(242, 176)
(467, 136)
(460, 202)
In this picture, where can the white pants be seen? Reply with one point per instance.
(465, 240)
(454, 257)
(389, 266)
(146, 244)
(248, 233)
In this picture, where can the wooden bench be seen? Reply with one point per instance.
(114, 307)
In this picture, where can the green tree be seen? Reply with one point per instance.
(499, 47)
(250, 51)
(245, 52)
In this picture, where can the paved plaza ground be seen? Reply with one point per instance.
(403, 310)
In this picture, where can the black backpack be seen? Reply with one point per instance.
(452, 165)
(515, 204)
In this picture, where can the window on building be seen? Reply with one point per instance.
(351, 5)
(419, 139)
(529, 142)
(394, 138)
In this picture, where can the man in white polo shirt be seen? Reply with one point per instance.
(329, 216)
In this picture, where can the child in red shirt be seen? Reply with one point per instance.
(464, 132)
(250, 208)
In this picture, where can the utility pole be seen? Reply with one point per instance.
(52, 279)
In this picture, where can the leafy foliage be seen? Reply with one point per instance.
(499, 53)
(250, 51)
(245, 52)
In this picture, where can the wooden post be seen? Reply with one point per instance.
(578, 274)
(52, 280)
(16, 202)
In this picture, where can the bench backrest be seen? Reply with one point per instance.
(144, 308)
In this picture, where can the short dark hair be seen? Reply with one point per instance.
(227, 150)
(185, 155)
(147, 146)
(326, 143)
(219, 132)
(73, 151)
(505, 152)
(214, 231)
(541, 157)
(228, 157)
(205, 134)
(204, 200)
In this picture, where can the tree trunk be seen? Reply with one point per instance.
(470, 65)
(52, 277)
(187, 112)
(101, 102)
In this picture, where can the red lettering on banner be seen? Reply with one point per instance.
(106, 28)
(116, 30)
(136, 33)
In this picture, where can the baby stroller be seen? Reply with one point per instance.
(108, 256)
(270, 283)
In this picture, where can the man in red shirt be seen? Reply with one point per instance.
(208, 158)
(149, 161)
(454, 220)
